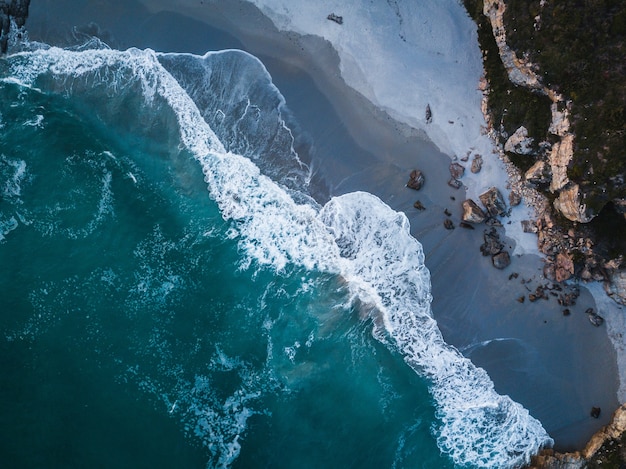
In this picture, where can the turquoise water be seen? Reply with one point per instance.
(173, 297)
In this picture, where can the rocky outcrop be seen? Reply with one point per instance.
(570, 205)
(564, 267)
(11, 10)
(472, 213)
(520, 142)
(539, 173)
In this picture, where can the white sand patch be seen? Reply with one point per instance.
(404, 55)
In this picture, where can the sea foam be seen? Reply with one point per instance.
(355, 236)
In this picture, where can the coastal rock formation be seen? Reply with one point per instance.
(11, 10)
(472, 213)
(493, 202)
(520, 142)
(416, 180)
(569, 204)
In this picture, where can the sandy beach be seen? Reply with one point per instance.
(557, 366)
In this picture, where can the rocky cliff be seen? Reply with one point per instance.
(544, 123)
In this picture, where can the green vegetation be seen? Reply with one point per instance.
(511, 106)
(579, 46)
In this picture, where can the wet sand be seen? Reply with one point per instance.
(556, 366)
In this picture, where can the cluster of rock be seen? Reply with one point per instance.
(548, 173)
(15, 11)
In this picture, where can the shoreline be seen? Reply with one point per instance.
(382, 168)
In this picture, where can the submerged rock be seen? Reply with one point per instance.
(448, 224)
(501, 260)
(416, 180)
(419, 205)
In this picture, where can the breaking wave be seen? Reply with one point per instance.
(355, 235)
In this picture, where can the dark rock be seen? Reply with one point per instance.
(501, 260)
(566, 312)
(429, 114)
(456, 170)
(472, 213)
(336, 18)
(455, 183)
(466, 225)
(418, 205)
(448, 225)
(416, 180)
(596, 319)
(521, 299)
(595, 412)
(447, 213)
(452, 197)
(493, 202)
(513, 275)
(477, 164)
(492, 244)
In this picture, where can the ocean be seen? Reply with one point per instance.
(175, 295)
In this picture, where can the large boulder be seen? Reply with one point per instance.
(539, 173)
(416, 180)
(520, 142)
(493, 202)
(569, 204)
(472, 213)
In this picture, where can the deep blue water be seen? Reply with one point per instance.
(174, 297)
